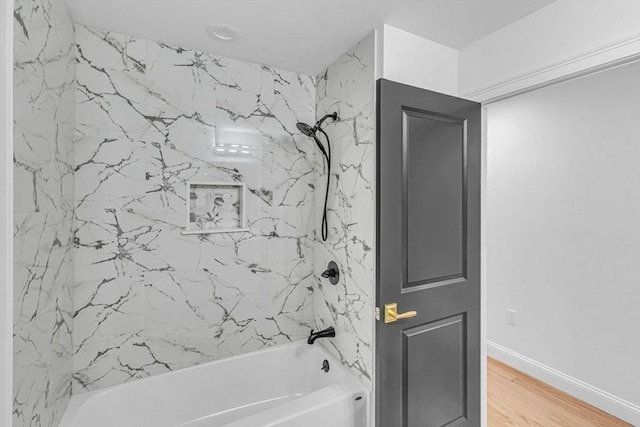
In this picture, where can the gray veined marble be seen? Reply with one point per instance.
(44, 100)
(43, 274)
(347, 86)
(149, 119)
(109, 131)
(44, 92)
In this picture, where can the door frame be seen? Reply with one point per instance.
(6, 213)
(596, 59)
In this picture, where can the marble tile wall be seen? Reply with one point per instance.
(44, 100)
(149, 118)
(347, 86)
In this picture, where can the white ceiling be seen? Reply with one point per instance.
(299, 35)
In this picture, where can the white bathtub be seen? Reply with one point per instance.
(282, 386)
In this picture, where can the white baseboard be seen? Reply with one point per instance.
(607, 402)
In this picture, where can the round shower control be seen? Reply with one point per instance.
(332, 273)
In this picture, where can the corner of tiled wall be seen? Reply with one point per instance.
(347, 86)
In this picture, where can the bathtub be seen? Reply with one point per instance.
(283, 386)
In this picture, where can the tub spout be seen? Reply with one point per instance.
(325, 333)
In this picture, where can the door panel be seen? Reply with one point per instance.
(428, 259)
(434, 371)
(434, 165)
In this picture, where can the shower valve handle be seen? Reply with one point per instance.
(331, 272)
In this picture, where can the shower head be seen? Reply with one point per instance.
(309, 130)
(306, 129)
(311, 133)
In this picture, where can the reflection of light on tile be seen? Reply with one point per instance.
(238, 145)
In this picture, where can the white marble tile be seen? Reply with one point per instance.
(108, 50)
(347, 86)
(209, 317)
(43, 276)
(108, 308)
(112, 243)
(44, 91)
(107, 321)
(44, 111)
(42, 261)
(148, 117)
(205, 297)
(126, 358)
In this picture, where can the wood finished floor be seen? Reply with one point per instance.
(516, 399)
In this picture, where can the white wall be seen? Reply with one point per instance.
(406, 58)
(577, 34)
(563, 236)
(6, 212)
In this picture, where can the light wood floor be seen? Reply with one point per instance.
(516, 399)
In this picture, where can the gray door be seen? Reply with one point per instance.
(428, 259)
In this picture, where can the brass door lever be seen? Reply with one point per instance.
(391, 313)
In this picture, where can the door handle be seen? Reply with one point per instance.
(391, 313)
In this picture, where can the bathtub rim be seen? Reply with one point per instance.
(78, 401)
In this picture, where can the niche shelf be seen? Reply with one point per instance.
(215, 207)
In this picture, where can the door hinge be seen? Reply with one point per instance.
(377, 313)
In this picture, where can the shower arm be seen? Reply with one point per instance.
(333, 115)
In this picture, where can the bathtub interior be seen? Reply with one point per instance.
(280, 387)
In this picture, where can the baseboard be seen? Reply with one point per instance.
(607, 402)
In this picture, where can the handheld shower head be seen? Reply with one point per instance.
(311, 133)
(309, 130)
(306, 129)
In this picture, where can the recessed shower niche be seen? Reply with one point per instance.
(215, 207)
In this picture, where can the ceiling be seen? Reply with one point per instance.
(299, 35)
